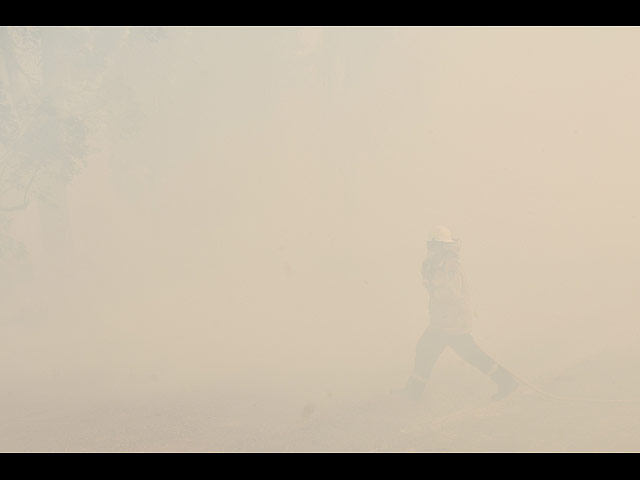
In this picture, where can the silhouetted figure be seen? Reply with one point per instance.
(450, 315)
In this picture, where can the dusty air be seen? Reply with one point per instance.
(319, 239)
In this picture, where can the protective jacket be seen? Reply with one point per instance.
(449, 301)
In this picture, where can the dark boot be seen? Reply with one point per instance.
(415, 386)
(507, 384)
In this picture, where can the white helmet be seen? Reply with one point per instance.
(442, 234)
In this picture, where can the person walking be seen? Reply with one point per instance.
(450, 315)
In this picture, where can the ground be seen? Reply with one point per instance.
(452, 417)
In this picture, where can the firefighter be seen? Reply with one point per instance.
(450, 315)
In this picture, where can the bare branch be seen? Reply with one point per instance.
(25, 200)
(33, 177)
(14, 208)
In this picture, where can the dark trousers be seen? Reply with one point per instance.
(432, 344)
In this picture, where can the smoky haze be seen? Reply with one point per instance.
(235, 263)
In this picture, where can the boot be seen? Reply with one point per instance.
(414, 387)
(507, 384)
